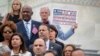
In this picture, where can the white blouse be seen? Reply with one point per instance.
(27, 53)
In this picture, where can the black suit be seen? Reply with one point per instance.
(56, 47)
(21, 29)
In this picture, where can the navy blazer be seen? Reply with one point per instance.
(21, 29)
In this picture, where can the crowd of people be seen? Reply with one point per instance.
(22, 36)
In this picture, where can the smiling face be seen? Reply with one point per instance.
(27, 13)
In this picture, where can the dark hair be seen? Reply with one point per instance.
(71, 45)
(54, 28)
(46, 26)
(22, 47)
(51, 51)
(10, 24)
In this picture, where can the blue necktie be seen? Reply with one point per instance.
(27, 29)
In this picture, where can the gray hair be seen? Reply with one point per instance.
(4, 49)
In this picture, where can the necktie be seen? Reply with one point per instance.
(27, 29)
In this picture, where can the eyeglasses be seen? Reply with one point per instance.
(7, 32)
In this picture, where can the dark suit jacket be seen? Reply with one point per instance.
(56, 47)
(58, 42)
(21, 29)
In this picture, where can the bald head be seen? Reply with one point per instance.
(27, 12)
(39, 40)
(78, 52)
(39, 47)
(27, 7)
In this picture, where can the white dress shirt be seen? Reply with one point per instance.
(47, 44)
(28, 26)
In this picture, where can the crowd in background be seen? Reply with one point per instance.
(22, 36)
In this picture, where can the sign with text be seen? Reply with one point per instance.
(63, 20)
(64, 17)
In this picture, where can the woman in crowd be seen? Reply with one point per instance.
(53, 35)
(15, 14)
(7, 30)
(67, 51)
(17, 45)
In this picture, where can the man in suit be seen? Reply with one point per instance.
(44, 34)
(39, 47)
(27, 27)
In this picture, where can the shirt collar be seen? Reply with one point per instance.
(47, 44)
(47, 22)
(29, 22)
